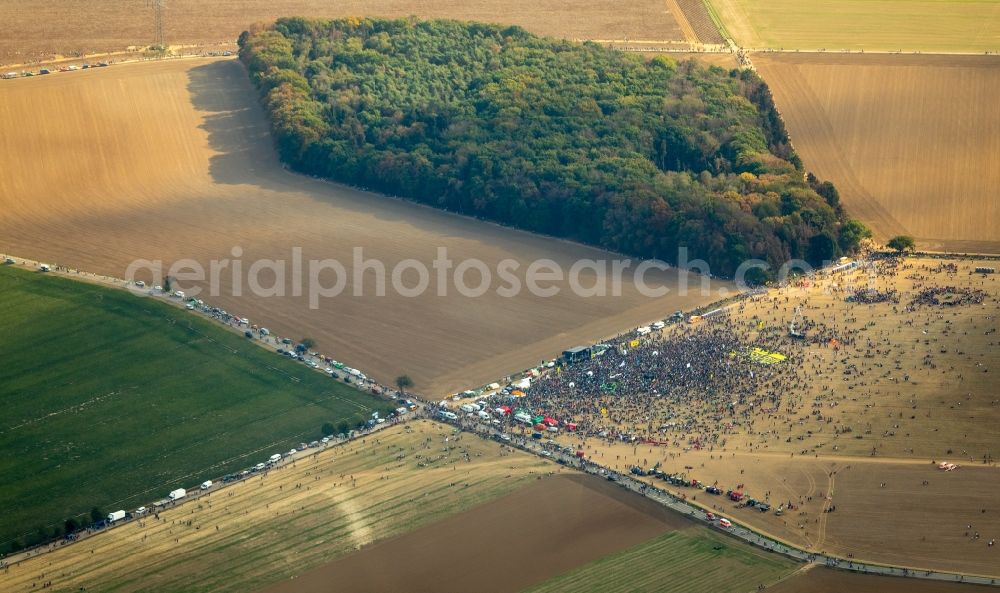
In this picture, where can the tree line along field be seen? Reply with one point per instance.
(111, 400)
(36, 30)
(909, 141)
(945, 26)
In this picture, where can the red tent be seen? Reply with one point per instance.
(581, 454)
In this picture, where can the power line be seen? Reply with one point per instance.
(157, 6)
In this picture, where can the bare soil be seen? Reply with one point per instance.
(301, 515)
(38, 30)
(173, 160)
(861, 428)
(910, 141)
(535, 533)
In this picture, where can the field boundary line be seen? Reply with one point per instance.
(721, 26)
(682, 22)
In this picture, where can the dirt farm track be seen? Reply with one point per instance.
(173, 160)
(911, 141)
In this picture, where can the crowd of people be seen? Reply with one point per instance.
(949, 296)
(694, 385)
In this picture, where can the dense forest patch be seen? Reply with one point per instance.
(573, 140)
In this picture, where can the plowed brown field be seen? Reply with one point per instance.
(173, 160)
(531, 535)
(37, 29)
(910, 141)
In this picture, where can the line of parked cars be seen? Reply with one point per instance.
(44, 71)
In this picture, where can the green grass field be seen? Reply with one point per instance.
(885, 25)
(690, 561)
(111, 400)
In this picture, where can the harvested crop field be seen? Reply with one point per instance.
(296, 517)
(889, 25)
(905, 523)
(827, 580)
(533, 534)
(911, 142)
(35, 29)
(907, 383)
(173, 160)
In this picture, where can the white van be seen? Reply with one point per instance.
(206, 484)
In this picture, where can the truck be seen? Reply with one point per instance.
(116, 516)
(177, 494)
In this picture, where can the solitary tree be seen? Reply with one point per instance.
(901, 243)
(307, 343)
(403, 382)
(96, 514)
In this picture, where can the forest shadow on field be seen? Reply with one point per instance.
(238, 132)
(235, 123)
